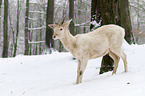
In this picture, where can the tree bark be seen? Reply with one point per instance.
(5, 31)
(49, 20)
(26, 29)
(13, 36)
(112, 12)
(0, 14)
(71, 16)
(125, 20)
(0, 3)
(40, 34)
(18, 14)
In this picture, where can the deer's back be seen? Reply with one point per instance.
(100, 40)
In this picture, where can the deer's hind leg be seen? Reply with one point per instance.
(121, 54)
(116, 61)
(124, 58)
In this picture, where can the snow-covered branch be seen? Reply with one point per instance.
(38, 28)
(82, 24)
(95, 24)
(37, 12)
(36, 42)
(32, 18)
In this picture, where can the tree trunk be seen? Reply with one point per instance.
(71, 16)
(5, 30)
(30, 38)
(112, 12)
(49, 20)
(26, 29)
(0, 3)
(40, 34)
(95, 16)
(18, 14)
(13, 36)
(125, 20)
(0, 14)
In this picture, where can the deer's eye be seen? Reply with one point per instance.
(61, 29)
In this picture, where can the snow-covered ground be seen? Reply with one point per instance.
(55, 75)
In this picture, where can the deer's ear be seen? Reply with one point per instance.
(51, 26)
(67, 23)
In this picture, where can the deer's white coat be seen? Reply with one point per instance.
(107, 39)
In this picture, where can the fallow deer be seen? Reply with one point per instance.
(104, 40)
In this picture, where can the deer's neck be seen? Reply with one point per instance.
(68, 41)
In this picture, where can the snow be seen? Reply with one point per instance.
(94, 22)
(35, 42)
(82, 24)
(55, 74)
(37, 12)
(38, 28)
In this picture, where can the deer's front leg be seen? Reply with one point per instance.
(81, 68)
(78, 71)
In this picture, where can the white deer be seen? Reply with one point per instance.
(107, 39)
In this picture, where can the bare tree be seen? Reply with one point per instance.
(112, 12)
(0, 23)
(12, 31)
(26, 29)
(5, 30)
(18, 14)
(0, 3)
(0, 13)
(49, 20)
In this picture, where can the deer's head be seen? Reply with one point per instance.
(59, 28)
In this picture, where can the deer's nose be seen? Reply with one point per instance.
(53, 36)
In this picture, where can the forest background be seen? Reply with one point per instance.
(32, 16)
